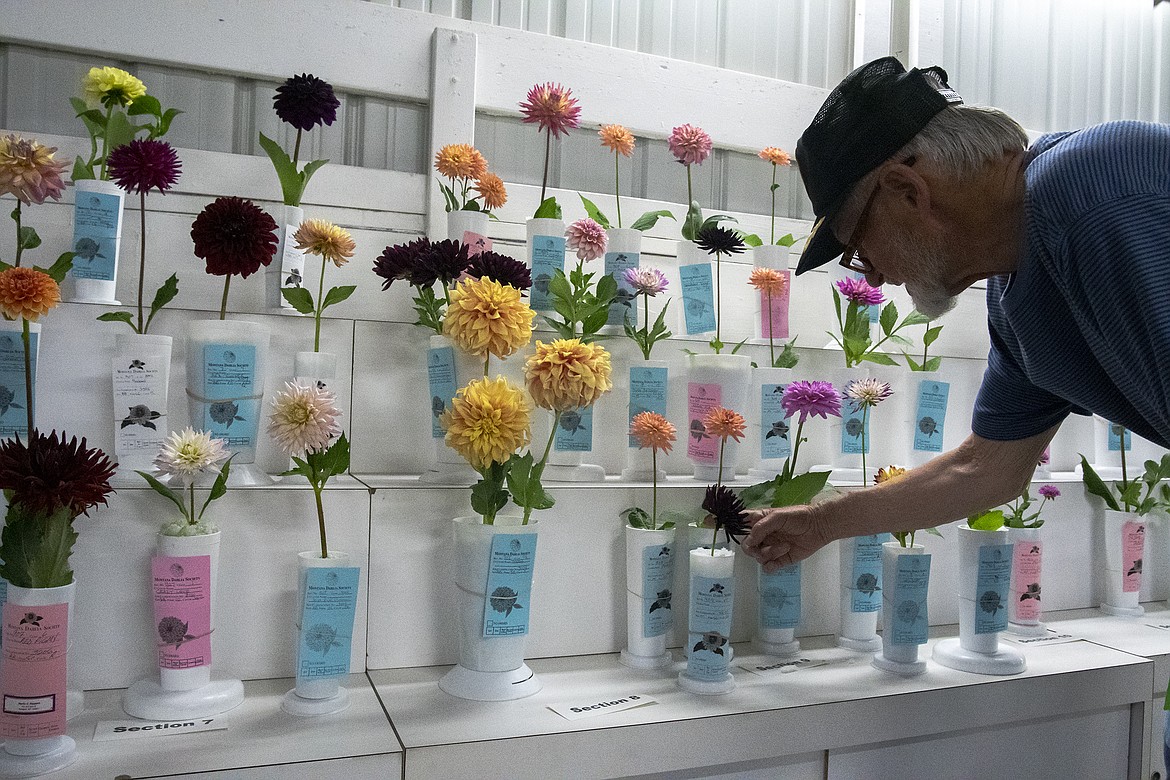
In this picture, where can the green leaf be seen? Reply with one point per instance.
(118, 316)
(291, 185)
(59, 268)
(165, 294)
(1095, 485)
(488, 495)
(751, 239)
(594, 322)
(650, 219)
(448, 196)
(332, 461)
(800, 489)
(915, 318)
(637, 517)
(715, 219)
(164, 123)
(36, 548)
(306, 174)
(28, 238)
(82, 170)
(299, 298)
(879, 357)
(988, 521)
(911, 363)
(558, 286)
(219, 488)
(119, 131)
(786, 240)
(930, 335)
(692, 222)
(594, 212)
(337, 295)
(932, 364)
(146, 104)
(787, 357)
(165, 492)
(548, 209)
(524, 483)
(888, 318)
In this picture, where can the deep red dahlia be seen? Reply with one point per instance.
(49, 473)
(144, 164)
(234, 236)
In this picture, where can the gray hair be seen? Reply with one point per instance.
(960, 139)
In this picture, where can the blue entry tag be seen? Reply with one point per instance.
(13, 395)
(867, 573)
(97, 217)
(931, 415)
(326, 636)
(626, 303)
(229, 375)
(442, 384)
(657, 582)
(698, 298)
(991, 588)
(709, 637)
(774, 441)
(909, 623)
(780, 598)
(509, 585)
(575, 431)
(647, 393)
(548, 257)
(854, 430)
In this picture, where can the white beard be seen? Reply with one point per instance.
(925, 264)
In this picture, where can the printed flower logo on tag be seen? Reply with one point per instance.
(716, 588)
(225, 413)
(713, 641)
(908, 611)
(928, 425)
(662, 602)
(867, 584)
(7, 398)
(141, 414)
(779, 428)
(853, 427)
(31, 619)
(137, 365)
(1032, 592)
(990, 602)
(173, 631)
(571, 421)
(177, 570)
(1136, 568)
(321, 638)
(503, 599)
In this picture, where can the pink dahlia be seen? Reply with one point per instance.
(858, 291)
(1049, 491)
(689, 144)
(645, 281)
(552, 107)
(588, 238)
(818, 399)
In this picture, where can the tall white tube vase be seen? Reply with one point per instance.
(769, 438)
(709, 622)
(861, 592)
(985, 571)
(97, 241)
(327, 594)
(1024, 605)
(906, 574)
(226, 364)
(184, 573)
(623, 252)
(771, 311)
(1125, 539)
(851, 434)
(649, 584)
(141, 374)
(779, 610)
(32, 680)
(493, 582)
(288, 266)
(448, 369)
(1109, 439)
(713, 381)
(13, 391)
(469, 227)
(648, 391)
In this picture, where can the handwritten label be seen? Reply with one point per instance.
(509, 585)
(229, 375)
(1133, 542)
(698, 298)
(647, 392)
(992, 583)
(780, 598)
(182, 610)
(97, 226)
(657, 582)
(866, 585)
(625, 305)
(909, 622)
(774, 311)
(292, 264)
(13, 395)
(107, 730)
(710, 627)
(442, 384)
(591, 707)
(476, 243)
(702, 447)
(1026, 561)
(548, 257)
(575, 431)
(33, 672)
(931, 415)
(326, 629)
(774, 441)
(140, 402)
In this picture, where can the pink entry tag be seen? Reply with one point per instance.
(702, 398)
(476, 243)
(779, 316)
(1133, 542)
(35, 641)
(182, 610)
(1026, 580)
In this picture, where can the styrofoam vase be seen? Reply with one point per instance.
(858, 628)
(220, 404)
(25, 756)
(623, 250)
(922, 425)
(639, 461)
(1106, 458)
(772, 639)
(287, 268)
(980, 653)
(708, 667)
(562, 465)
(846, 466)
(489, 668)
(1125, 534)
(448, 467)
(776, 258)
(141, 374)
(97, 243)
(1024, 605)
(769, 435)
(715, 380)
(896, 657)
(322, 696)
(182, 693)
(649, 559)
(469, 227)
(13, 398)
(544, 254)
(315, 368)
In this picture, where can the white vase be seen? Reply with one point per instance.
(848, 436)
(13, 395)
(315, 368)
(545, 254)
(469, 227)
(1024, 605)
(184, 573)
(776, 258)
(1107, 441)
(928, 396)
(35, 680)
(650, 558)
(97, 241)
(906, 623)
(1125, 536)
(713, 381)
(698, 301)
(448, 369)
(861, 592)
(141, 375)
(226, 364)
(323, 649)
(571, 442)
(647, 389)
(623, 251)
(490, 668)
(287, 268)
(712, 600)
(985, 559)
(779, 610)
(768, 440)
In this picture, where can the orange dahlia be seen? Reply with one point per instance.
(617, 138)
(28, 293)
(768, 280)
(460, 161)
(491, 188)
(652, 430)
(567, 374)
(724, 423)
(775, 155)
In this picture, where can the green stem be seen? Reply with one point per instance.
(227, 282)
(718, 482)
(617, 187)
(19, 245)
(141, 259)
(191, 489)
(791, 465)
(690, 194)
(28, 377)
(654, 488)
(317, 311)
(718, 299)
(297, 149)
(772, 241)
(539, 468)
(646, 345)
(864, 420)
(925, 347)
(771, 343)
(547, 151)
(321, 520)
(486, 360)
(109, 113)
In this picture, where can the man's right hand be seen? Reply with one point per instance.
(783, 536)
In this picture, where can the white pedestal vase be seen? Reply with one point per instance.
(846, 439)
(779, 610)
(769, 438)
(1024, 606)
(1125, 537)
(545, 253)
(709, 622)
(713, 381)
(1107, 444)
(906, 575)
(141, 374)
(13, 395)
(861, 592)
(776, 321)
(184, 573)
(649, 584)
(315, 368)
(226, 364)
(573, 439)
(985, 561)
(32, 677)
(493, 581)
(623, 251)
(690, 537)
(327, 593)
(928, 396)
(287, 268)
(97, 241)
(448, 369)
(647, 389)
(469, 227)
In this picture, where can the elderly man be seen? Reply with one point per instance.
(910, 186)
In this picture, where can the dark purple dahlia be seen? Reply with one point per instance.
(305, 101)
(143, 165)
(715, 240)
(500, 268)
(49, 473)
(729, 511)
(234, 236)
(397, 262)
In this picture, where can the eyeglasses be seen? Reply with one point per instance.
(850, 258)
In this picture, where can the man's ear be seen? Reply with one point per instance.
(909, 191)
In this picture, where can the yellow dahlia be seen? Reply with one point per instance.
(775, 155)
(460, 161)
(28, 170)
(888, 474)
(487, 317)
(567, 374)
(488, 421)
(324, 239)
(724, 423)
(617, 138)
(491, 188)
(28, 293)
(768, 280)
(112, 86)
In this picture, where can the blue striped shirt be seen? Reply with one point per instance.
(1083, 325)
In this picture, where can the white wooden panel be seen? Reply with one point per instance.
(203, 97)
(655, 27)
(510, 13)
(627, 25)
(577, 21)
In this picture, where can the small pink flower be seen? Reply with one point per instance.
(588, 238)
(858, 291)
(645, 281)
(1049, 491)
(552, 107)
(689, 144)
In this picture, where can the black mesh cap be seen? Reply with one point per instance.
(869, 116)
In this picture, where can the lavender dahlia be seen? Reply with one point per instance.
(645, 281)
(807, 398)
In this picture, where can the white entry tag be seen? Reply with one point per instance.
(130, 729)
(781, 667)
(584, 709)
